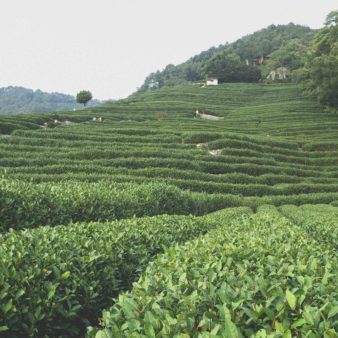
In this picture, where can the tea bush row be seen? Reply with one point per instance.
(55, 281)
(261, 276)
(27, 204)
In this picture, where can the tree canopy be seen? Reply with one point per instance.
(242, 54)
(230, 68)
(84, 96)
(321, 68)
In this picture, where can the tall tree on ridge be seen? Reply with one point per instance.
(321, 69)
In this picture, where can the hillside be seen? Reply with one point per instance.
(279, 45)
(175, 224)
(272, 141)
(15, 100)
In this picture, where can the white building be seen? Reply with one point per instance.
(212, 82)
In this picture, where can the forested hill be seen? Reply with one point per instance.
(279, 45)
(14, 100)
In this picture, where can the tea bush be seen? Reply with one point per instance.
(54, 281)
(252, 277)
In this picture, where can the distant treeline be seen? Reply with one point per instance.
(14, 100)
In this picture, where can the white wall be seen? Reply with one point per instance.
(213, 82)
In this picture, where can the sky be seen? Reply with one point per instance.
(110, 46)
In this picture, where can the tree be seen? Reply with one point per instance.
(321, 68)
(229, 68)
(292, 55)
(83, 97)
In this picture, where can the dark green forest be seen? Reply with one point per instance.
(309, 57)
(320, 73)
(239, 61)
(14, 100)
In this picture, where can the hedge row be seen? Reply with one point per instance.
(202, 165)
(27, 205)
(55, 281)
(151, 158)
(130, 150)
(320, 221)
(261, 276)
(66, 136)
(195, 184)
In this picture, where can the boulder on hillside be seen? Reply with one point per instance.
(280, 73)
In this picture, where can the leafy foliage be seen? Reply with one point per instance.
(24, 205)
(229, 61)
(54, 281)
(84, 96)
(292, 55)
(272, 146)
(321, 69)
(289, 157)
(229, 68)
(27, 205)
(254, 277)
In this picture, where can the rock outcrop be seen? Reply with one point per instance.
(281, 73)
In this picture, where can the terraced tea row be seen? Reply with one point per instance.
(256, 277)
(28, 205)
(172, 147)
(246, 108)
(55, 281)
(248, 166)
(268, 274)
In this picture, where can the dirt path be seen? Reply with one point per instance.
(210, 117)
(201, 145)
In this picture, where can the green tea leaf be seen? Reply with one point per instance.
(65, 275)
(7, 306)
(333, 312)
(298, 323)
(291, 298)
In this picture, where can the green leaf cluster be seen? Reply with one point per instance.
(321, 69)
(26, 205)
(55, 281)
(258, 276)
(83, 97)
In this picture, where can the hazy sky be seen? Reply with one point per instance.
(110, 46)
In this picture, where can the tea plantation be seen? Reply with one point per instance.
(156, 222)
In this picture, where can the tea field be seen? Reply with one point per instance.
(156, 222)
